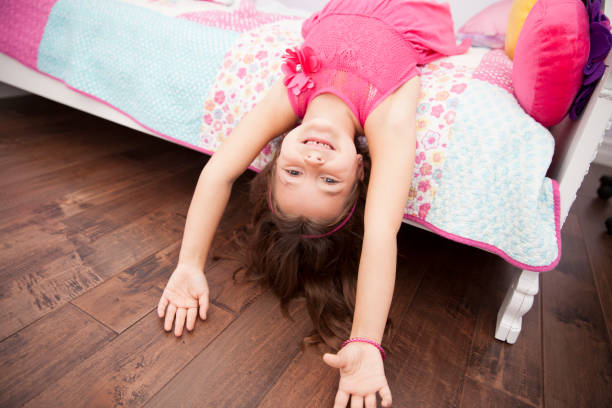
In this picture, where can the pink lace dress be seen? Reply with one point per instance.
(363, 50)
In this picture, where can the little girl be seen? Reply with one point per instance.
(312, 233)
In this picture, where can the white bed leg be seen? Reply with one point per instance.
(518, 301)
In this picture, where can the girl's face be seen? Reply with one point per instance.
(315, 171)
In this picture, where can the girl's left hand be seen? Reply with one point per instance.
(362, 374)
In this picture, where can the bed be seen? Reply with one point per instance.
(186, 71)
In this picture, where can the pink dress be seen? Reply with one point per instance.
(363, 50)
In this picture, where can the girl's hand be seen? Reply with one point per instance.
(185, 291)
(362, 374)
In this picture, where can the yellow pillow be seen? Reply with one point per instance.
(518, 13)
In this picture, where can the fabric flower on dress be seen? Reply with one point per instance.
(601, 42)
(299, 64)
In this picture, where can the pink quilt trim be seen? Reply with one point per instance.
(498, 251)
(21, 28)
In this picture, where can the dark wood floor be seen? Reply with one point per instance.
(91, 218)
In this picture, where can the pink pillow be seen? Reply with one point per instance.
(488, 28)
(550, 54)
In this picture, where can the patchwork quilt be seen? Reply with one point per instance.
(481, 161)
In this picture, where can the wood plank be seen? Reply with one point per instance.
(577, 353)
(109, 248)
(62, 265)
(114, 186)
(128, 371)
(513, 369)
(59, 182)
(43, 352)
(61, 130)
(53, 145)
(51, 189)
(126, 298)
(64, 147)
(412, 243)
(82, 138)
(53, 271)
(100, 220)
(226, 292)
(40, 271)
(429, 356)
(62, 170)
(161, 167)
(37, 119)
(592, 213)
(317, 381)
(238, 368)
(477, 394)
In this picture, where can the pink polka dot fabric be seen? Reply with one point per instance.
(21, 28)
(496, 69)
(245, 18)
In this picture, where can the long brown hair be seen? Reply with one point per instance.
(272, 250)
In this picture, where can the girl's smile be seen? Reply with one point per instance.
(318, 143)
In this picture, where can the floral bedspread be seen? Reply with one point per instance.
(479, 175)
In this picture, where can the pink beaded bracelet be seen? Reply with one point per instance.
(364, 340)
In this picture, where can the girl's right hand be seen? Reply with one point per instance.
(186, 289)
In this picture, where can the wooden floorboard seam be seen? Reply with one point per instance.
(51, 311)
(212, 341)
(251, 301)
(222, 306)
(93, 317)
(177, 372)
(271, 384)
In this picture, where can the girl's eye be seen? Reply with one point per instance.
(293, 172)
(329, 180)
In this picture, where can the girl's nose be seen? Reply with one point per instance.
(314, 157)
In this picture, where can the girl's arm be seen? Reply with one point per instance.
(270, 118)
(391, 135)
(187, 288)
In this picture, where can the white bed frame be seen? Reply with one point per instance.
(570, 163)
